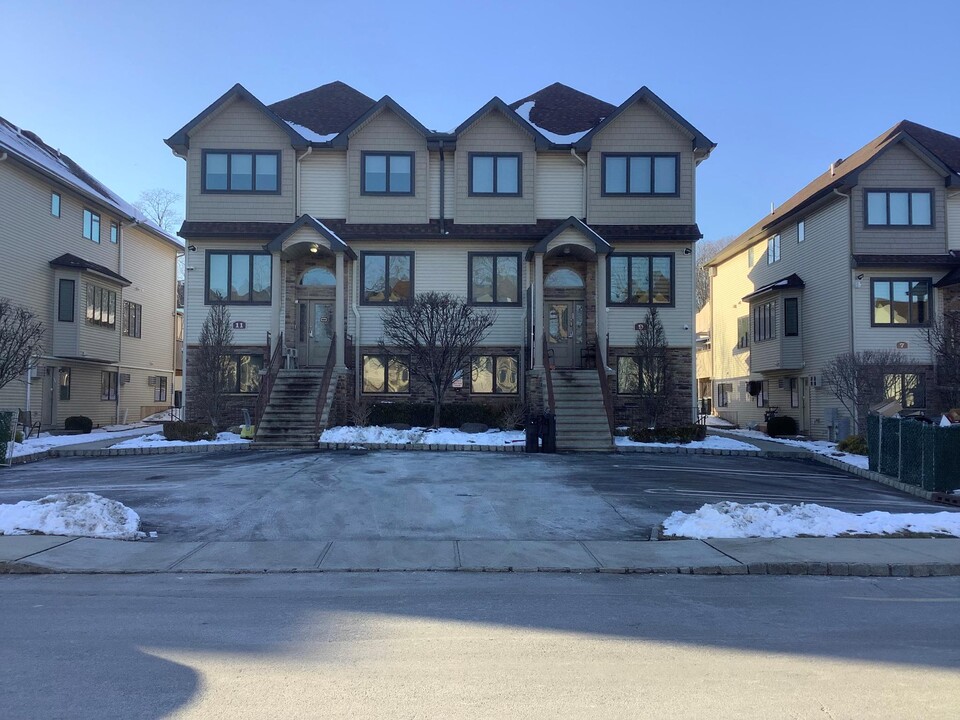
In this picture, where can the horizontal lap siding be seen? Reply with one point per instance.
(151, 266)
(641, 128)
(953, 220)
(240, 126)
(138, 393)
(85, 384)
(559, 187)
(323, 184)
(449, 182)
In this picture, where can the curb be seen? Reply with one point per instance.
(122, 452)
(420, 447)
(876, 477)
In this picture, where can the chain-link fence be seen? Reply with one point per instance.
(914, 452)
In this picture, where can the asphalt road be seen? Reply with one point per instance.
(414, 495)
(391, 645)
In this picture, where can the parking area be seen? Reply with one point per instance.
(419, 495)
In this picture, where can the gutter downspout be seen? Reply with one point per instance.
(443, 189)
(354, 301)
(583, 163)
(850, 250)
(119, 311)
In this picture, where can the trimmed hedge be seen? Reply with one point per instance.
(853, 444)
(421, 414)
(680, 434)
(189, 431)
(80, 424)
(781, 425)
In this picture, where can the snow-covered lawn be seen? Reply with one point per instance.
(712, 442)
(419, 436)
(80, 514)
(47, 442)
(716, 421)
(820, 447)
(767, 520)
(158, 440)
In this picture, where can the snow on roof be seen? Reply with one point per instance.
(310, 135)
(524, 112)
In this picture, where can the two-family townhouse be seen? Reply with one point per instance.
(572, 217)
(862, 258)
(101, 278)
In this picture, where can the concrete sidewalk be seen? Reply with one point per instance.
(880, 557)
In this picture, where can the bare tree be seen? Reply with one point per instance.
(943, 336)
(858, 380)
(162, 207)
(654, 379)
(706, 251)
(438, 333)
(212, 372)
(21, 335)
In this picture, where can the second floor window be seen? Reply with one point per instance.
(743, 332)
(387, 173)
(65, 301)
(494, 279)
(132, 317)
(495, 174)
(634, 174)
(899, 208)
(387, 278)
(114, 233)
(763, 321)
(900, 301)
(91, 225)
(640, 280)
(773, 250)
(248, 172)
(55, 204)
(101, 306)
(239, 278)
(791, 317)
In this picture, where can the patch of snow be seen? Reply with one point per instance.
(310, 135)
(170, 415)
(717, 421)
(820, 447)
(419, 436)
(46, 441)
(79, 514)
(158, 440)
(767, 520)
(712, 442)
(524, 112)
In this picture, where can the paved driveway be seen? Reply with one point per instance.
(331, 496)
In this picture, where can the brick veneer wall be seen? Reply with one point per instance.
(234, 402)
(627, 407)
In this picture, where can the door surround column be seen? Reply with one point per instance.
(339, 313)
(537, 311)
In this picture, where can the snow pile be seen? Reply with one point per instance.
(158, 440)
(48, 442)
(310, 135)
(419, 436)
(820, 447)
(767, 520)
(711, 442)
(524, 112)
(80, 514)
(717, 421)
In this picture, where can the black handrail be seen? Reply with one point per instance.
(325, 384)
(268, 380)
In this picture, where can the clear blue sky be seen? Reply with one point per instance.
(783, 91)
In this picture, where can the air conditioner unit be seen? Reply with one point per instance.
(814, 381)
(152, 381)
(124, 378)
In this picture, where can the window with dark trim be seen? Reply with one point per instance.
(634, 279)
(63, 382)
(906, 388)
(794, 392)
(640, 174)
(898, 208)
(243, 372)
(387, 173)
(160, 388)
(773, 249)
(496, 174)
(108, 385)
(91, 225)
(494, 279)
(101, 306)
(386, 278)
(762, 397)
(238, 278)
(633, 379)
(239, 171)
(723, 394)
(763, 321)
(743, 332)
(114, 233)
(900, 301)
(55, 204)
(791, 317)
(66, 301)
(385, 374)
(751, 261)
(132, 317)
(496, 374)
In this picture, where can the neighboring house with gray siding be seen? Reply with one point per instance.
(860, 259)
(100, 277)
(570, 216)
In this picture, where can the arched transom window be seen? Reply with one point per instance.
(563, 278)
(318, 277)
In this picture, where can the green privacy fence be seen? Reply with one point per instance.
(915, 453)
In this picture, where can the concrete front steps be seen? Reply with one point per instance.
(290, 419)
(581, 418)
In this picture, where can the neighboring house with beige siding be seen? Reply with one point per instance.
(569, 216)
(862, 258)
(100, 277)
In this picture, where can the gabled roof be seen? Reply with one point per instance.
(496, 103)
(76, 263)
(562, 113)
(700, 141)
(179, 142)
(950, 279)
(939, 148)
(336, 244)
(788, 283)
(326, 110)
(27, 148)
(602, 246)
(384, 103)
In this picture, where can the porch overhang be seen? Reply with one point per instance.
(554, 240)
(791, 282)
(316, 234)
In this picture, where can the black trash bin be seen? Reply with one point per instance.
(531, 427)
(548, 431)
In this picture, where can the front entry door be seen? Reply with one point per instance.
(804, 405)
(564, 322)
(319, 332)
(48, 409)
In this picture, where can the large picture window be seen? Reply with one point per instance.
(382, 374)
(243, 372)
(494, 279)
(238, 278)
(497, 374)
(898, 208)
(387, 278)
(241, 172)
(906, 388)
(495, 174)
(640, 280)
(900, 301)
(640, 174)
(101, 306)
(647, 376)
(387, 174)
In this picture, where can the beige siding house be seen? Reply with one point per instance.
(100, 277)
(570, 216)
(862, 258)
